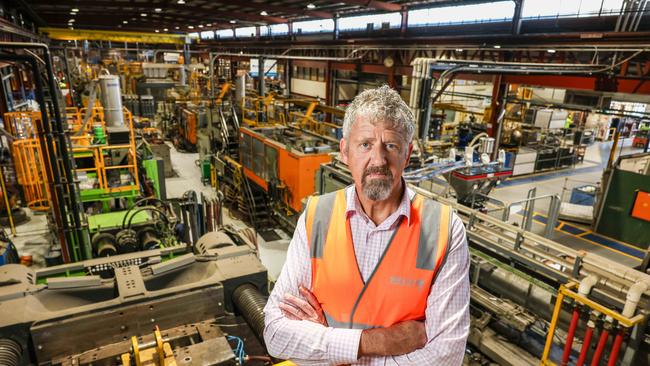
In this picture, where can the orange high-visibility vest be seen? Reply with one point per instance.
(398, 288)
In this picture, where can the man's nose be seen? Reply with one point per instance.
(378, 155)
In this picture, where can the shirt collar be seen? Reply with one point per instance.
(352, 204)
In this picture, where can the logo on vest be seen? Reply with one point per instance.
(406, 282)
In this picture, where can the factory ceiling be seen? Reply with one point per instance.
(177, 16)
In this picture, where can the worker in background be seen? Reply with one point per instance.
(375, 273)
(645, 127)
(567, 123)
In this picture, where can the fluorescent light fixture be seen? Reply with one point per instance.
(143, 14)
(73, 13)
(177, 27)
(190, 26)
(157, 10)
(497, 46)
(166, 29)
(233, 21)
(125, 22)
(550, 51)
(180, 2)
(209, 25)
(157, 31)
(459, 50)
(71, 21)
(200, 25)
(74, 10)
(264, 13)
(311, 6)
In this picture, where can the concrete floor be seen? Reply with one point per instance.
(32, 237)
(562, 183)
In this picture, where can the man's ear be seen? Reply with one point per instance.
(343, 147)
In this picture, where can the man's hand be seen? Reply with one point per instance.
(399, 339)
(295, 308)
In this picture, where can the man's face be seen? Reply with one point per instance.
(376, 155)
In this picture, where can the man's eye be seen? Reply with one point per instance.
(365, 145)
(392, 147)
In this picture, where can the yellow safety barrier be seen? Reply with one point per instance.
(614, 324)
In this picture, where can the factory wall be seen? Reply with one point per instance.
(316, 89)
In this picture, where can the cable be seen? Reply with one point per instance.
(163, 214)
(137, 203)
(239, 350)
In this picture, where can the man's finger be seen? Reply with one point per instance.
(300, 304)
(311, 299)
(298, 313)
(288, 315)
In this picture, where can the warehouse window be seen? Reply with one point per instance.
(194, 35)
(264, 31)
(570, 8)
(314, 26)
(245, 32)
(207, 35)
(279, 29)
(224, 33)
(492, 12)
(394, 20)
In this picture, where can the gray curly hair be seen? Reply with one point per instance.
(382, 104)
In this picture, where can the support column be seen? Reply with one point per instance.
(516, 17)
(405, 21)
(499, 92)
(287, 76)
(328, 81)
(260, 72)
(336, 26)
(391, 77)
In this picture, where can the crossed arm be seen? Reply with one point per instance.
(296, 329)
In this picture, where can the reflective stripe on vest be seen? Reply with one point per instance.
(398, 288)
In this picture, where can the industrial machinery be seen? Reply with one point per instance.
(269, 180)
(624, 195)
(474, 182)
(533, 298)
(151, 307)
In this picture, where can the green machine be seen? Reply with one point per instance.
(139, 228)
(113, 175)
(620, 212)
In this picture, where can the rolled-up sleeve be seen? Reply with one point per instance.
(447, 314)
(304, 342)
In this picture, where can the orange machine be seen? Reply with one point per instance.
(285, 159)
(187, 128)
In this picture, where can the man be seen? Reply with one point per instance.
(375, 274)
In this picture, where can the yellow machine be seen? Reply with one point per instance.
(257, 111)
(93, 154)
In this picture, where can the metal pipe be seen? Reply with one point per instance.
(633, 297)
(250, 302)
(616, 348)
(612, 153)
(11, 352)
(629, 8)
(641, 14)
(5, 195)
(62, 146)
(573, 47)
(586, 343)
(600, 347)
(570, 335)
(45, 138)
